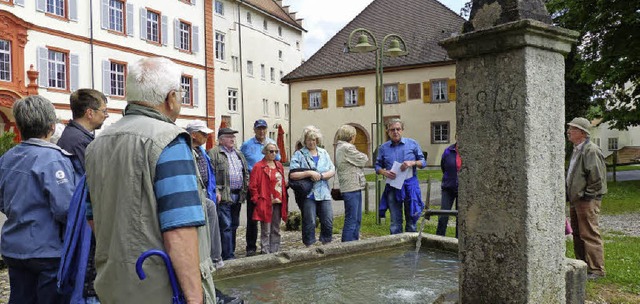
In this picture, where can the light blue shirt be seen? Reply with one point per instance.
(252, 150)
(302, 159)
(405, 149)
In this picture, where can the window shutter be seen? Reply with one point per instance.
(40, 5)
(339, 98)
(361, 96)
(43, 67)
(130, 19)
(165, 30)
(74, 71)
(104, 23)
(195, 94)
(143, 23)
(426, 92)
(452, 89)
(73, 10)
(195, 39)
(324, 98)
(176, 33)
(19, 2)
(402, 92)
(305, 100)
(106, 77)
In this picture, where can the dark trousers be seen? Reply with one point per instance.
(446, 202)
(252, 228)
(229, 220)
(33, 280)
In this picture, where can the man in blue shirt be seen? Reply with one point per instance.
(252, 150)
(408, 153)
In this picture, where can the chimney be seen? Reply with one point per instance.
(279, 2)
(293, 15)
(299, 21)
(286, 8)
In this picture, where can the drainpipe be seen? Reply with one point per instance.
(91, 41)
(241, 72)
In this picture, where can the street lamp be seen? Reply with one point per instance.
(394, 48)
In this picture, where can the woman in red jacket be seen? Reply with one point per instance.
(269, 192)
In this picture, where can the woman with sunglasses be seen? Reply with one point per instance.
(268, 191)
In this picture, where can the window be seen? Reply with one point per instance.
(596, 141)
(272, 134)
(440, 132)
(153, 26)
(57, 67)
(232, 100)
(265, 106)
(5, 60)
(248, 17)
(390, 93)
(315, 100)
(272, 73)
(219, 8)
(186, 86)
(613, 144)
(236, 63)
(414, 91)
(116, 16)
(350, 97)
(249, 67)
(281, 75)
(184, 35)
(280, 55)
(286, 111)
(298, 45)
(219, 46)
(265, 25)
(439, 88)
(276, 108)
(56, 7)
(280, 31)
(117, 77)
(263, 72)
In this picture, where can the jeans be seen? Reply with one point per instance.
(33, 280)
(252, 228)
(395, 208)
(92, 300)
(352, 215)
(325, 213)
(448, 196)
(229, 220)
(587, 242)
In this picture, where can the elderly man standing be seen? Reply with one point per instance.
(252, 151)
(407, 152)
(586, 184)
(145, 195)
(37, 180)
(232, 178)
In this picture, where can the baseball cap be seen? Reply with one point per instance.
(226, 131)
(260, 123)
(198, 125)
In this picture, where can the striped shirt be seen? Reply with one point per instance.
(235, 169)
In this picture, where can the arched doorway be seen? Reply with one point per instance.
(362, 141)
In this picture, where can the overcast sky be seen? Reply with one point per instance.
(324, 18)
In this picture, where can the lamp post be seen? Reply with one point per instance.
(396, 47)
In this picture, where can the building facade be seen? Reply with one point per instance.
(256, 44)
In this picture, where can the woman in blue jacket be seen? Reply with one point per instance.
(450, 165)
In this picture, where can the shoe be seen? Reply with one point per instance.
(251, 253)
(594, 276)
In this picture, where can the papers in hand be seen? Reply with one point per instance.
(401, 176)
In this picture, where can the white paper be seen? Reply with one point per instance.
(401, 176)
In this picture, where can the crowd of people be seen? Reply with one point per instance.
(80, 213)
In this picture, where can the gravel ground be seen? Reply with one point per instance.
(628, 224)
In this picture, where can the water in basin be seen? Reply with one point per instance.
(398, 275)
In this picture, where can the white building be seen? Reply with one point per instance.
(256, 44)
(88, 44)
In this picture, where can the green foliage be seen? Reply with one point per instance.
(6, 141)
(606, 59)
(423, 175)
(622, 197)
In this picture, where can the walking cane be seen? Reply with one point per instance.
(177, 296)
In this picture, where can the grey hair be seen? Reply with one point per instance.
(149, 80)
(346, 133)
(311, 132)
(265, 149)
(394, 121)
(35, 116)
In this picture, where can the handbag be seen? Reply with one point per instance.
(336, 195)
(301, 187)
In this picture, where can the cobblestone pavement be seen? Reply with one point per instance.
(629, 224)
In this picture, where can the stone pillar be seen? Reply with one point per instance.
(510, 118)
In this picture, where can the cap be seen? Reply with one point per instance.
(260, 123)
(198, 125)
(581, 123)
(225, 131)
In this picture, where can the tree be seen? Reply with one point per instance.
(606, 59)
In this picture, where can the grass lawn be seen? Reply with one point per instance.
(624, 168)
(423, 175)
(622, 197)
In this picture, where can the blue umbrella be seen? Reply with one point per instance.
(178, 298)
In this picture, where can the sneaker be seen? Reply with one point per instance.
(251, 253)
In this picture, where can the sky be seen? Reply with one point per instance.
(322, 19)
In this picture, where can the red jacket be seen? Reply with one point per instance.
(259, 187)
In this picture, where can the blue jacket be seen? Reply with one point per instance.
(449, 170)
(302, 159)
(211, 185)
(37, 181)
(75, 139)
(410, 191)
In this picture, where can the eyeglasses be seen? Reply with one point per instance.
(273, 151)
(182, 93)
(104, 111)
(395, 130)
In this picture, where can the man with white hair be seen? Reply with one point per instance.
(586, 184)
(145, 195)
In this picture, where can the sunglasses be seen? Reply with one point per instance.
(273, 151)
